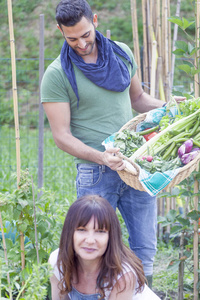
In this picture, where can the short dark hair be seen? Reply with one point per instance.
(70, 12)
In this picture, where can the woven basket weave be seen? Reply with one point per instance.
(131, 178)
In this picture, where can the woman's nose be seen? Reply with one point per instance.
(90, 239)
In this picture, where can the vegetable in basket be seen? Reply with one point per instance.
(186, 147)
(157, 164)
(187, 157)
(128, 141)
(166, 143)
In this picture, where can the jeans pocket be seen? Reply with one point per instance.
(88, 175)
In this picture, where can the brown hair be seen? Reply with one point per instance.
(116, 254)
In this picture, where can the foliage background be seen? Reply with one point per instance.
(59, 170)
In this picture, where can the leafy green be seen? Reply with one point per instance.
(188, 107)
(158, 164)
(128, 141)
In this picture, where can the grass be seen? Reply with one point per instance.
(58, 167)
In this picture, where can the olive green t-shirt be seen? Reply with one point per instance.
(100, 113)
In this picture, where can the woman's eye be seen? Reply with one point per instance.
(80, 229)
(101, 231)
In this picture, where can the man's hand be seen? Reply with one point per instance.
(179, 99)
(111, 159)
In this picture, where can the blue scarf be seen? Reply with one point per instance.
(109, 72)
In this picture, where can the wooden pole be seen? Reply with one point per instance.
(135, 36)
(166, 50)
(15, 102)
(148, 30)
(6, 258)
(173, 44)
(14, 86)
(170, 49)
(41, 110)
(108, 34)
(153, 68)
(196, 242)
(196, 77)
(145, 50)
(196, 184)
(35, 223)
(181, 268)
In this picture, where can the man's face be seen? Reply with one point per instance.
(81, 37)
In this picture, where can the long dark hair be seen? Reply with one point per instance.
(116, 254)
(70, 12)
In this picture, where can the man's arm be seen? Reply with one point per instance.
(58, 114)
(141, 101)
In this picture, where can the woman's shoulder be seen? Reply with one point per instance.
(53, 257)
(53, 262)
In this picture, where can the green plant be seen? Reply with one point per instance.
(22, 209)
(186, 50)
(181, 230)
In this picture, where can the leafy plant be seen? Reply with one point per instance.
(187, 49)
(18, 208)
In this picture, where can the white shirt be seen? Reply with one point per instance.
(146, 294)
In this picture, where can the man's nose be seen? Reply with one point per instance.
(81, 43)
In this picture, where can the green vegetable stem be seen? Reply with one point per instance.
(147, 131)
(165, 143)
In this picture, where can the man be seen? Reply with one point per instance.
(88, 93)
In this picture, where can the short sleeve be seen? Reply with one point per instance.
(53, 262)
(54, 84)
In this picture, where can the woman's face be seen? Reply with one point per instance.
(90, 242)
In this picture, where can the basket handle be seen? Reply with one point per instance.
(130, 169)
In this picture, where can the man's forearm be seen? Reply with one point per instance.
(145, 103)
(68, 143)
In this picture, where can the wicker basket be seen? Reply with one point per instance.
(131, 176)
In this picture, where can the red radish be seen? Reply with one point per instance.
(149, 158)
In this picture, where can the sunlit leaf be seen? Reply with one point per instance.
(185, 68)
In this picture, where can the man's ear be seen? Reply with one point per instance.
(95, 21)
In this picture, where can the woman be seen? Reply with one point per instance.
(92, 262)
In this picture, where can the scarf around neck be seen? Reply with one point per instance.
(109, 72)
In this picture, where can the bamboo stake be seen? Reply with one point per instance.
(195, 241)
(6, 258)
(145, 57)
(158, 28)
(167, 210)
(173, 44)
(166, 50)
(14, 86)
(135, 36)
(15, 102)
(196, 77)
(108, 34)
(196, 184)
(170, 49)
(181, 268)
(41, 109)
(153, 68)
(148, 29)
(35, 223)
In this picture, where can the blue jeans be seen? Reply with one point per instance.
(138, 209)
